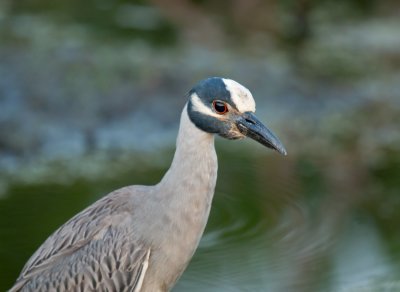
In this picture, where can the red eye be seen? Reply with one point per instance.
(220, 107)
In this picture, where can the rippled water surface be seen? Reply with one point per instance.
(275, 225)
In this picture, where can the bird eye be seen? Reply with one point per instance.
(220, 107)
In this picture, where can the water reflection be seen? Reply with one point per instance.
(306, 246)
(272, 227)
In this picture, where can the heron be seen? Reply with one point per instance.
(141, 238)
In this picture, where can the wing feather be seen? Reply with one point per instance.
(93, 251)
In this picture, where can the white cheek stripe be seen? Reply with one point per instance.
(200, 107)
(240, 96)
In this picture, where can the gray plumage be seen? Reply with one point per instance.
(141, 238)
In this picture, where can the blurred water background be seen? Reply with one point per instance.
(90, 97)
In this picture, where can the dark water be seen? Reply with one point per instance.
(277, 223)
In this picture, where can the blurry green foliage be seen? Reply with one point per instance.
(106, 18)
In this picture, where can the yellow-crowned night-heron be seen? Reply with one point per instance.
(141, 238)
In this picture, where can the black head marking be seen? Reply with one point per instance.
(207, 123)
(211, 89)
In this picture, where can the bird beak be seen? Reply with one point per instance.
(250, 126)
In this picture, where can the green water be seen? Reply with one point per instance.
(277, 223)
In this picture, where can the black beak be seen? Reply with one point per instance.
(250, 126)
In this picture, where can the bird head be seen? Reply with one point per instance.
(224, 107)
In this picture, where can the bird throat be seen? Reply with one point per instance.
(194, 165)
(187, 190)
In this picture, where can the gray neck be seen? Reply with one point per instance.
(193, 171)
(185, 193)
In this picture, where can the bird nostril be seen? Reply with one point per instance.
(250, 121)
